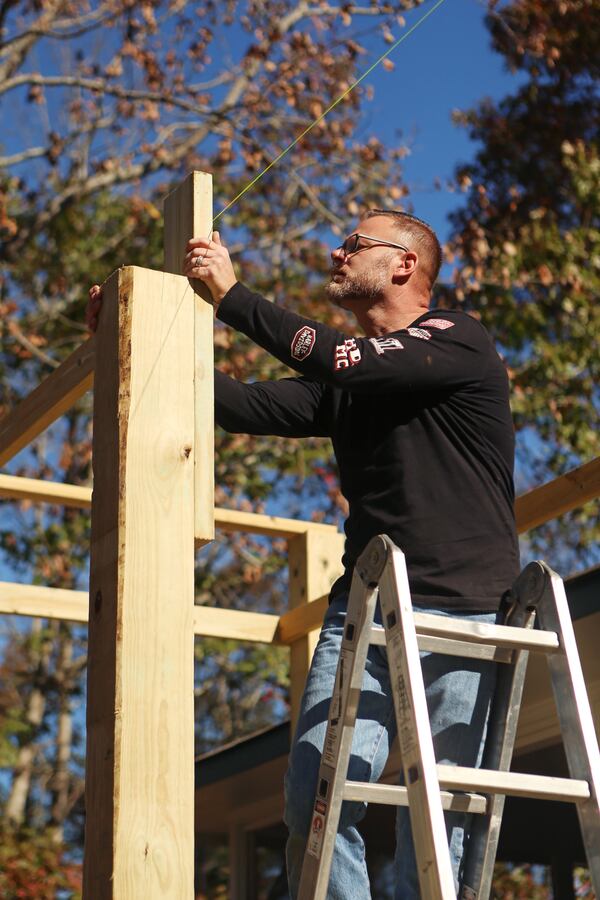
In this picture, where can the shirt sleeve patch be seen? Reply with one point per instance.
(420, 333)
(386, 343)
(346, 355)
(438, 323)
(303, 342)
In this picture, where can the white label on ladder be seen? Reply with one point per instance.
(406, 736)
(334, 728)
(317, 830)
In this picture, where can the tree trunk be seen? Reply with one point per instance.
(61, 779)
(16, 803)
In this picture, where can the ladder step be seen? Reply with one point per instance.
(480, 633)
(432, 644)
(504, 636)
(515, 784)
(396, 795)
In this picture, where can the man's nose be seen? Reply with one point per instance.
(338, 255)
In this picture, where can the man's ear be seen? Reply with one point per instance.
(406, 266)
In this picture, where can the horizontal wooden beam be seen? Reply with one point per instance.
(43, 602)
(15, 488)
(275, 526)
(298, 622)
(559, 496)
(72, 606)
(235, 624)
(542, 504)
(53, 397)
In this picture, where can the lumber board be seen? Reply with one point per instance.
(273, 526)
(559, 496)
(140, 711)
(235, 624)
(228, 520)
(13, 487)
(188, 213)
(542, 504)
(43, 602)
(50, 400)
(298, 622)
(315, 561)
(73, 606)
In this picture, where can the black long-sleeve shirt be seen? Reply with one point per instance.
(422, 432)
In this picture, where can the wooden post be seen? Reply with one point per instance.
(315, 561)
(189, 213)
(240, 862)
(140, 711)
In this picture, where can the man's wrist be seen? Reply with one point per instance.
(222, 293)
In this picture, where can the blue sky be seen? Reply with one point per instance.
(446, 64)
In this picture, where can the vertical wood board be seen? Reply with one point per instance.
(188, 212)
(315, 561)
(102, 697)
(140, 694)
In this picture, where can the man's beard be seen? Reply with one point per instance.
(365, 286)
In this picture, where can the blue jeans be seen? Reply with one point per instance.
(458, 697)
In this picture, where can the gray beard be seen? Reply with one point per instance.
(365, 286)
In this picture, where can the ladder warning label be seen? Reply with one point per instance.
(338, 703)
(317, 832)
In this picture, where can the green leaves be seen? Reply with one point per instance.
(527, 239)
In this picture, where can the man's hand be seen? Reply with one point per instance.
(93, 308)
(209, 261)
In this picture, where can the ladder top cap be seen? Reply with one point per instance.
(371, 562)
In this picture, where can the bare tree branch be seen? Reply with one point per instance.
(316, 203)
(99, 86)
(23, 45)
(32, 153)
(24, 341)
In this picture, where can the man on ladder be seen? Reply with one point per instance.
(419, 416)
(418, 412)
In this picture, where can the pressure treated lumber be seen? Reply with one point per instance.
(140, 710)
(559, 496)
(235, 624)
(315, 561)
(53, 397)
(298, 622)
(73, 606)
(542, 504)
(188, 213)
(43, 602)
(272, 526)
(13, 487)
(229, 520)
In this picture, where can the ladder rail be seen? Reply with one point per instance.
(436, 879)
(575, 715)
(338, 742)
(518, 609)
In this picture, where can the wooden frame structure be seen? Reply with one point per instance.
(152, 366)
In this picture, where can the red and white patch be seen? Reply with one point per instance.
(303, 342)
(386, 343)
(346, 355)
(438, 323)
(420, 333)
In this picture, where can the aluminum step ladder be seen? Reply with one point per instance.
(380, 573)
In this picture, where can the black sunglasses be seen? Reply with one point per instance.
(351, 244)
